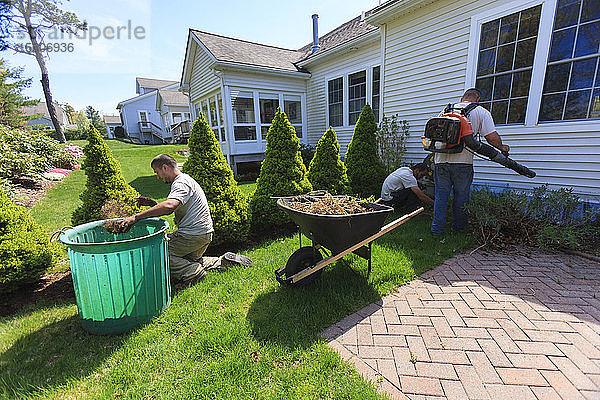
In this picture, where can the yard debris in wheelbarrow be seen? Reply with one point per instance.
(341, 234)
(328, 205)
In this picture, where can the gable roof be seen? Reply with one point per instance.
(173, 97)
(237, 51)
(152, 83)
(41, 108)
(346, 32)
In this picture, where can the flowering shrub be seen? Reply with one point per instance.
(75, 151)
(30, 153)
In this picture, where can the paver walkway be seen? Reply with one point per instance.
(522, 325)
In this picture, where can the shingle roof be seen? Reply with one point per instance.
(173, 97)
(153, 83)
(340, 35)
(41, 108)
(112, 119)
(243, 52)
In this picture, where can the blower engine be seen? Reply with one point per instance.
(452, 131)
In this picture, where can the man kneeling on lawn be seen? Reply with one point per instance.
(194, 223)
(401, 191)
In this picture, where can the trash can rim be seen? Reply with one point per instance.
(63, 236)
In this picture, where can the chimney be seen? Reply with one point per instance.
(315, 46)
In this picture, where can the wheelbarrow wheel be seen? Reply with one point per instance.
(301, 259)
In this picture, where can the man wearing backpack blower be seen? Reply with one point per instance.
(454, 168)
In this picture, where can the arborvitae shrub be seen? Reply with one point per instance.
(366, 172)
(207, 165)
(282, 173)
(25, 251)
(104, 182)
(327, 171)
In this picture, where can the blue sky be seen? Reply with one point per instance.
(103, 73)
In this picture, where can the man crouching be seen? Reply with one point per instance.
(194, 223)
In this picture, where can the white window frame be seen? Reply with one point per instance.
(368, 68)
(220, 123)
(146, 113)
(540, 61)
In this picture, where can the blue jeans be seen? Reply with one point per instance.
(456, 178)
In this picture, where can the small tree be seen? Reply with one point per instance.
(207, 165)
(11, 98)
(392, 136)
(366, 172)
(282, 173)
(327, 171)
(29, 18)
(105, 182)
(95, 119)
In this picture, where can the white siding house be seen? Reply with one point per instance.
(536, 64)
(544, 96)
(111, 122)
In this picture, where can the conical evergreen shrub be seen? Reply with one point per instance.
(207, 165)
(104, 182)
(25, 250)
(282, 173)
(366, 172)
(327, 171)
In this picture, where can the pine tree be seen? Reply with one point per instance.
(366, 172)
(282, 173)
(327, 171)
(104, 182)
(207, 165)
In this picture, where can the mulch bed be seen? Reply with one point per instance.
(50, 287)
(30, 192)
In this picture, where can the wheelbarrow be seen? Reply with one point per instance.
(340, 234)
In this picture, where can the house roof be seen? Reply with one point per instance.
(344, 33)
(112, 119)
(239, 51)
(173, 97)
(41, 108)
(153, 83)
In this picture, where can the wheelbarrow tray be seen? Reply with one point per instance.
(338, 232)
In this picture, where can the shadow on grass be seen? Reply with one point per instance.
(151, 187)
(294, 316)
(51, 356)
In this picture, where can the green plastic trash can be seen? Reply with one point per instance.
(121, 280)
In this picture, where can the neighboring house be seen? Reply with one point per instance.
(536, 63)
(111, 122)
(174, 109)
(43, 116)
(141, 119)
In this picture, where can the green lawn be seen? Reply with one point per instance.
(235, 335)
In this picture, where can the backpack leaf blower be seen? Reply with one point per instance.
(452, 132)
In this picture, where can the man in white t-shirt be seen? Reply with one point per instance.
(401, 191)
(192, 217)
(454, 172)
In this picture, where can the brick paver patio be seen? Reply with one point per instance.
(521, 325)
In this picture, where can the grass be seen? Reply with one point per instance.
(236, 334)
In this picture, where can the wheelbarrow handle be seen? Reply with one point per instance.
(323, 263)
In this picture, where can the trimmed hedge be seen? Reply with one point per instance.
(282, 173)
(327, 171)
(25, 250)
(366, 172)
(207, 165)
(104, 182)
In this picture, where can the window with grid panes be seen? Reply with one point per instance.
(336, 101)
(357, 95)
(375, 92)
(506, 51)
(572, 81)
(292, 106)
(244, 124)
